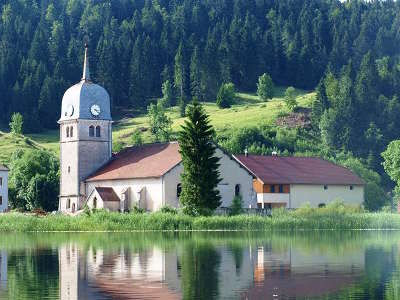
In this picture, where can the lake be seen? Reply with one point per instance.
(201, 265)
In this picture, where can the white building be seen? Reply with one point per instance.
(147, 176)
(3, 188)
(293, 181)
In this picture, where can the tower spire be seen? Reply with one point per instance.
(86, 72)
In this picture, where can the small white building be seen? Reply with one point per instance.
(149, 177)
(293, 181)
(3, 188)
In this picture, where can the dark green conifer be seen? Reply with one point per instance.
(200, 177)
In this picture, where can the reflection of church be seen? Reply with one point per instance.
(3, 271)
(252, 273)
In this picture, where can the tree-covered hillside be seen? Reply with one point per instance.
(137, 45)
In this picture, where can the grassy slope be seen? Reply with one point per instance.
(247, 111)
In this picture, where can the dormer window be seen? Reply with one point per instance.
(91, 130)
(98, 131)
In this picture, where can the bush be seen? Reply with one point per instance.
(226, 95)
(16, 123)
(117, 146)
(265, 87)
(290, 98)
(168, 210)
(138, 210)
(236, 207)
(137, 138)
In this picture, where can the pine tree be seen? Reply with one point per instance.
(200, 176)
(195, 75)
(265, 87)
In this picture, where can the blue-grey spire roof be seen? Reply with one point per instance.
(79, 99)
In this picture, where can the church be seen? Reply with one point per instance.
(146, 176)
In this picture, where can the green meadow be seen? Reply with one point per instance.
(248, 110)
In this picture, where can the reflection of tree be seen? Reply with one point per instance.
(381, 279)
(33, 274)
(237, 254)
(200, 263)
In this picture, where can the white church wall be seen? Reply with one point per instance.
(171, 181)
(149, 189)
(231, 173)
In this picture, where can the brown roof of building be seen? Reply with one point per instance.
(300, 170)
(3, 168)
(107, 194)
(151, 160)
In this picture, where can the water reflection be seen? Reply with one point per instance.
(322, 265)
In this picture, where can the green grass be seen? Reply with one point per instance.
(289, 221)
(248, 110)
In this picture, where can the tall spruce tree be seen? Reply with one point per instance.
(200, 176)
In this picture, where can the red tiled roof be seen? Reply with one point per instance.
(146, 161)
(107, 194)
(3, 168)
(301, 170)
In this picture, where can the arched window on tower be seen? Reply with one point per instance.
(71, 131)
(91, 130)
(67, 131)
(98, 132)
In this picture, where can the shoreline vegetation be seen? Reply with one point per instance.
(333, 217)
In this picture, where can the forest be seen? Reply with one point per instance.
(136, 45)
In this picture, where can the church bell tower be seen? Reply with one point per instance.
(85, 137)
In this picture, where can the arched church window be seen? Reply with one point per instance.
(95, 203)
(91, 130)
(98, 133)
(178, 190)
(237, 190)
(67, 131)
(71, 131)
(68, 203)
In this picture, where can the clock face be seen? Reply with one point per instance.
(70, 110)
(95, 110)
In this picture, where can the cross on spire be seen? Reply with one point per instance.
(86, 72)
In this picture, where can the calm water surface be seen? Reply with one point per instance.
(310, 265)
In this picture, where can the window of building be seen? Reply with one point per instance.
(351, 188)
(272, 188)
(68, 203)
(321, 205)
(325, 187)
(71, 132)
(281, 188)
(95, 202)
(1, 181)
(91, 130)
(178, 190)
(67, 131)
(1, 200)
(69, 169)
(98, 133)
(237, 190)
